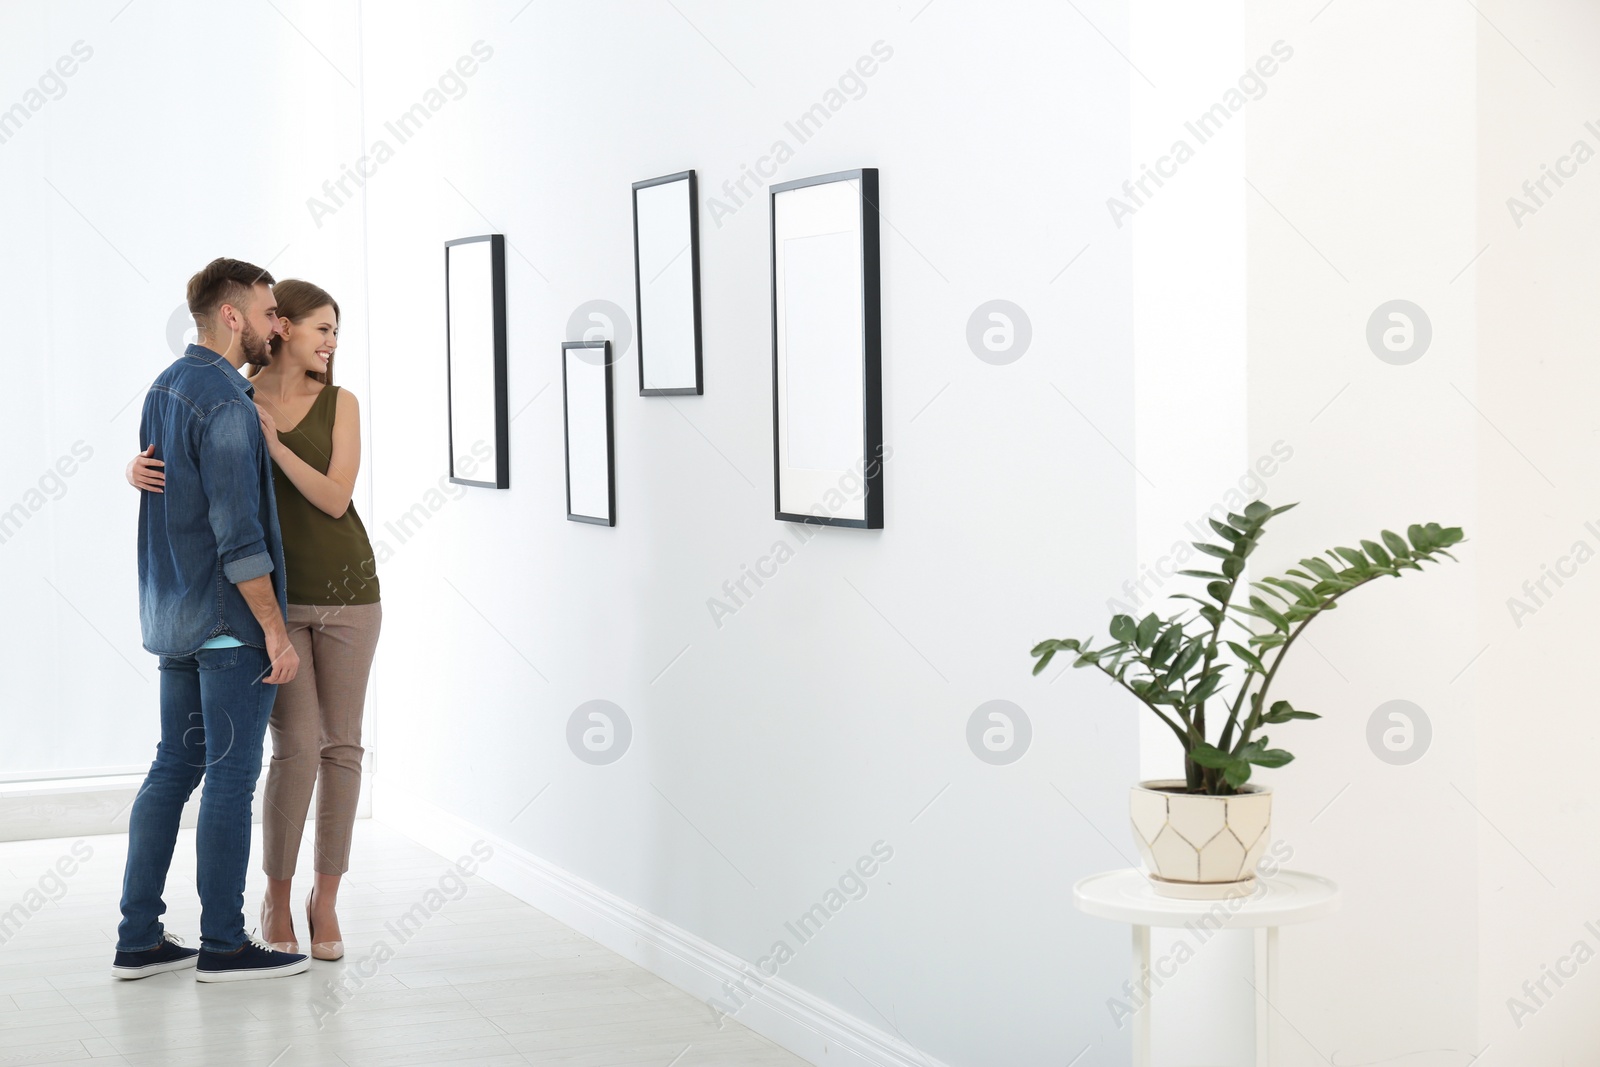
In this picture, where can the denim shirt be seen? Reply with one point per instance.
(217, 522)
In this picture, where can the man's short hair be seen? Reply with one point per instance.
(223, 281)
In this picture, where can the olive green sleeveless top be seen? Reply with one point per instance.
(328, 560)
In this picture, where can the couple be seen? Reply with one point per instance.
(256, 580)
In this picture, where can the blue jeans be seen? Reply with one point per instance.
(214, 711)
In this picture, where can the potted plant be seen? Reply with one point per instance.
(1201, 836)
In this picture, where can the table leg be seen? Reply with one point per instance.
(1266, 991)
(1141, 1018)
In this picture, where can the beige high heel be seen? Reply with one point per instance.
(321, 950)
(281, 946)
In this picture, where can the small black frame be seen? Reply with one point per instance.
(497, 259)
(640, 333)
(871, 351)
(604, 347)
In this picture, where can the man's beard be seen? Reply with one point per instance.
(254, 347)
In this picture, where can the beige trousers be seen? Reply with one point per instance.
(316, 736)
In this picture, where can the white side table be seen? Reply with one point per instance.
(1289, 897)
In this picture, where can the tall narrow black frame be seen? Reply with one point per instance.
(604, 349)
(871, 351)
(641, 333)
(497, 284)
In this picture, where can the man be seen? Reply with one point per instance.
(211, 606)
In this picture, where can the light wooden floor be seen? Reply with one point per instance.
(486, 980)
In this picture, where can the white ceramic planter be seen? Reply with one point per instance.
(1200, 847)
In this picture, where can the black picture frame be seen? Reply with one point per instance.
(872, 452)
(641, 332)
(571, 350)
(497, 297)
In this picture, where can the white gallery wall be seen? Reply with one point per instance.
(137, 142)
(1391, 167)
(777, 737)
(1362, 190)
(1538, 477)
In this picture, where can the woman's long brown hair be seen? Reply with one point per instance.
(296, 301)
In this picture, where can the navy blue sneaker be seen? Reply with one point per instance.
(256, 959)
(170, 955)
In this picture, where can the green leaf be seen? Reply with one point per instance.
(1186, 659)
(1236, 774)
(1258, 753)
(1166, 645)
(1376, 552)
(1397, 544)
(1283, 711)
(1227, 533)
(1147, 630)
(1352, 557)
(1208, 685)
(1213, 550)
(1123, 628)
(1233, 566)
(1209, 755)
(1319, 568)
(1257, 512)
(1250, 658)
(1200, 574)
(1273, 591)
(1220, 591)
(1270, 614)
(1046, 651)
(1303, 596)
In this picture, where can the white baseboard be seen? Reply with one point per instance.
(780, 1011)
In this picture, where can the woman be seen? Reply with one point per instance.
(313, 434)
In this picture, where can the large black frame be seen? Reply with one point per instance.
(694, 274)
(871, 351)
(611, 437)
(497, 267)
